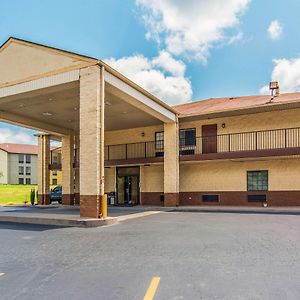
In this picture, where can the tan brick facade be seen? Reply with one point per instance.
(171, 164)
(43, 169)
(67, 157)
(91, 148)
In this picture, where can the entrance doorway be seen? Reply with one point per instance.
(209, 138)
(128, 186)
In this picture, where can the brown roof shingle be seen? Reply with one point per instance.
(19, 148)
(215, 105)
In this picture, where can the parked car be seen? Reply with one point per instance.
(56, 194)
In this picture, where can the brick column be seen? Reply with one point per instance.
(67, 158)
(43, 169)
(171, 164)
(76, 172)
(91, 140)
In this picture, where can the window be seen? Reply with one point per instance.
(28, 159)
(28, 171)
(28, 181)
(187, 141)
(187, 137)
(21, 170)
(159, 143)
(54, 173)
(257, 180)
(21, 180)
(210, 198)
(54, 159)
(21, 159)
(54, 181)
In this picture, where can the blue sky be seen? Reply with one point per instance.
(179, 50)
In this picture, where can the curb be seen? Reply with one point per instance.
(239, 211)
(85, 223)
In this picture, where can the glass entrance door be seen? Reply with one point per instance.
(128, 186)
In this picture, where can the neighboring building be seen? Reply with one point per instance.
(55, 172)
(226, 151)
(18, 164)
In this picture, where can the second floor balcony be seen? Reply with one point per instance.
(251, 144)
(264, 143)
(143, 152)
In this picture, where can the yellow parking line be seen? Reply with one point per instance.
(152, 288)
(1, 274)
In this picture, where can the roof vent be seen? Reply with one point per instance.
(274, 88)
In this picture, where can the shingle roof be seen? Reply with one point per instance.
(215, 105)
(19, 148)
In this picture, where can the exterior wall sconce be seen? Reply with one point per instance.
(143, 134)
(223, 125)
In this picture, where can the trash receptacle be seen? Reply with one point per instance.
(162, 199)
(111, 198)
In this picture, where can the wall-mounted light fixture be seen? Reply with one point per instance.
(143, 134)
(223, 125)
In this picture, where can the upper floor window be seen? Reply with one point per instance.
(54, 173)
(21, 159)
(159, 140)
(21, 170)
(187, 137)
(28, 159)
(28, 171)
(257, 180)
(159, 143)
(54, 159)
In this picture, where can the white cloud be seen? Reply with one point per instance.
(191, 27)
(287, 73)
(8, 135)
(167, 62)
(275, 30)
(163, 75)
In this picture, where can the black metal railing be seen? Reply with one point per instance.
(243, 141)
(133, 150)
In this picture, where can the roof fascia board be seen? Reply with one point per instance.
(47, 48)
(30, 123)
(163, 113)
(39, 83)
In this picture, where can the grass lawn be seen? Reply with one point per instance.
(15, 194)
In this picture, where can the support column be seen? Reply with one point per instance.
(76, 172)
(67, 158)
(43, 169)
(171, 164)
(91, 140)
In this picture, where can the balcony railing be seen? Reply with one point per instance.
(133, 151)
(248, 143)
(243, 141)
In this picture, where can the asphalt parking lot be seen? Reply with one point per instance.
(195, 255)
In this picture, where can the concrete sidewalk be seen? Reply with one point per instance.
(69, 215)
(239, 209)
(50, 216)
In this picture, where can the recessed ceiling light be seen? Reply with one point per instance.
(46, 113)
(107, 103)
(50, 99)
(70, 121)
(124, 112)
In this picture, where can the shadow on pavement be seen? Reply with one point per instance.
(28, 227)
